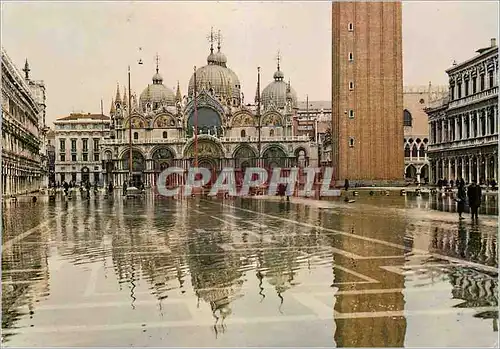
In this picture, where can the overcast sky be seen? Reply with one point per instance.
(82, 50)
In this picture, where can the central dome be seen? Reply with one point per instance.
(216, 77)
(156, 94)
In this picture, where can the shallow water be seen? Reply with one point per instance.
(384, 271)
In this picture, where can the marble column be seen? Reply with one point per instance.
(469, 179)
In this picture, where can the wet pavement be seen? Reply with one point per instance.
(383, 271)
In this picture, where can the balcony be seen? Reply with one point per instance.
(475, 98)
(303, 138)
(465, 143)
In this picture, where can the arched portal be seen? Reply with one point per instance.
(411, 172)
(424, 174)
(162, 158)
(209, 122)
(274, 156)
(244, 155)
(138, 166)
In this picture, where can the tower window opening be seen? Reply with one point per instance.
(351, 142)
(243, 134)
(351, 85)
(350, 27)
(136, 135)
(351, 114)
(164, 134)
(351, 57)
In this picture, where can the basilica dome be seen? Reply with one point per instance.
(278, 91)
(156, 94)
(217, 77)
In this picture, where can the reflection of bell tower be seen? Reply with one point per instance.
(377, 331)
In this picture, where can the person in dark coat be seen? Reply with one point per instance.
(66, 188)
(110, 188)
(461, 198)
(474, 194)
(125, 188)
(346, 184)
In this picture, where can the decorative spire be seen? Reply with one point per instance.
(257, 92)
(278, 74)
(112, 109)
(219, 40)
(178, 95)
(26, 70)
(157, 63)
(211, 39)
(118, 99)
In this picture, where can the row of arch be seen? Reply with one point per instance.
(243, 151)
(417, 173)
(415, 150)
(240, 119)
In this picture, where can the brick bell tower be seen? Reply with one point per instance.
(367, 92)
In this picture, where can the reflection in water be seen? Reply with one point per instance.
(243, 264)
(447, 203)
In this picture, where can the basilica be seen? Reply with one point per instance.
(230, 132)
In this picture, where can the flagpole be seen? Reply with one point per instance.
(258, 115)
(129, 131)
(195, 123)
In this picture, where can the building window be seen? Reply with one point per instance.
(62, 178)
(351, 142)
(452, 92)
(85, 144)
(136, 135)
(73, 177)
(407, 118)
(73, 157)
(73, 145)
(350, 27)
(481, 82)
(466, 88)
(85, 157)
(490, 76)
(62, 144)
(96, 144)
(271, 133)
(164, 134)
(474, 84)
(243, 134)
(459, 90)
(351, 57)
(351, 85)
(63, 157)
(351, 114)
(96, 156)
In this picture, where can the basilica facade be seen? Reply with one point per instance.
(164, 122)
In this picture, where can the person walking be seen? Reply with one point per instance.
(474, 194)
(124, 188)
(461, 197)
(66, 188)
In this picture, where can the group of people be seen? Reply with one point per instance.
(443, 183)
(472, 194)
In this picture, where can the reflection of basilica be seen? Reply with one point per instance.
(163, 124)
